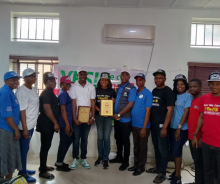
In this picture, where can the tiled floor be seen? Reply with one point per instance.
(96, 175)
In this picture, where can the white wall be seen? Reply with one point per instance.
(81, 44)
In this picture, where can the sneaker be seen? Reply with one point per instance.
(105, 164)
(123, 166)
(98, 162)
(31, 172)
(74, 164)
(116, 160)
(172, 176)
(176, 180)
(30, 179)
(63, 168)
(85, 164)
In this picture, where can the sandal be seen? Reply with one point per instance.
(152, 170)
(49, 177)
(160, 178)
(48, 168)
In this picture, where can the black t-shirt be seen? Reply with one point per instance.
(103, 94)
(161, 99)
(44, 124)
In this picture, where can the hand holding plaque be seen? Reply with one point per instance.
(106, 108)
(83, 114)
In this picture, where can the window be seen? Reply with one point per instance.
(205, 34)
(36, 29)
(39, 65)
(201, 71)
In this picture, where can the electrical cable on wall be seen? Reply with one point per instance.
(150, 59)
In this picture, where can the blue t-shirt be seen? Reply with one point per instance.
(131, 98)
(65, 99)
(143, 99)
(183, 101)
(9, 107)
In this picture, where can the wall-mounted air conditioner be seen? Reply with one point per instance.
(140, 34)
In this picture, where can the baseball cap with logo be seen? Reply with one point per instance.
(11, 74)
(105, 75)
(125, 70)
(180, 77)
(81, 69)
(66, 79)
(140, 75)
(48, 76)
(28, 71)
(159, 71)
(214, 76)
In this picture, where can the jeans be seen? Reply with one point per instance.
(140, 147)
(80, 131)
(211, 159)
(65, 142)
(46, 140)
(104, 127)
(161, 147)
(24, 148)
(122, 137)
(198, 161)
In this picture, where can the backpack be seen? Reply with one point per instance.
(17, 180)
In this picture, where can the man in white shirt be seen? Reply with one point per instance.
(28, 99)
(82, 94)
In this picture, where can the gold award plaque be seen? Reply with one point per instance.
(83, 114)
(106, 107)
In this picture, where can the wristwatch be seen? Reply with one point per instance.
(93, 118)
(119, 115)
(195, 134)
(179, 126)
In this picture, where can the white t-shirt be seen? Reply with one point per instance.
(28, 100)
(83, 95)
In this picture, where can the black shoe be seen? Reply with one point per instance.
(105, 164)
(98, 162)
(160, 178)
(172, 176)
(116, 160)
(132, 168)
(63, 164)
(123, 166)
(63, 168)
(176, 180)
(138, 172)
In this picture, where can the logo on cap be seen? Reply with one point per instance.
(50, 75)
(215, 76)
(105, 75)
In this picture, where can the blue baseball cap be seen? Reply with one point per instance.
(140, 75)
(11, 74)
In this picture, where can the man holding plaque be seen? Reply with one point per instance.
(126, 93)
(141, 124)
(83, 97)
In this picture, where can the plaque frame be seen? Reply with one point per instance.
(101, 107)
(80, 108)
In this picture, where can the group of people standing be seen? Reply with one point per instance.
(170, 115)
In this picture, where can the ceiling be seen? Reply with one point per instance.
(194, 4)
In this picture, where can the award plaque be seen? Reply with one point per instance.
(83, 114)
(106, 108)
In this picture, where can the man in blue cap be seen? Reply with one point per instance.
(140, 124)
(9, 119)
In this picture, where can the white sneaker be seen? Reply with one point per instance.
(74, 164)
(85, 164)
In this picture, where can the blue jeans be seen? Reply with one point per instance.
(80, 132)
(65, 142)
(24, 148)
(104, 127)
(161, 147)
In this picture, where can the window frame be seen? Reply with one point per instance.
(205, 24)
(15, 38)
